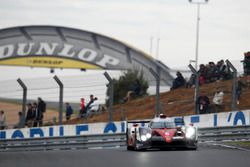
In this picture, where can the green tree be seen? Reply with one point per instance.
(126, 83)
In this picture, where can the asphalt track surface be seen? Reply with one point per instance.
(119, 157)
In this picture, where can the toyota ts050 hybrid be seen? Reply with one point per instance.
(162, 132)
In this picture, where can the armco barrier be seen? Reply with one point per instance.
(224, 133)
(63, 143)
(114, 140)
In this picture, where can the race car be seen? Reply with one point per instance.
(162, 132)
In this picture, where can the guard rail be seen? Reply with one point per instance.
(113, 140)
(224, 133)
(63, 143)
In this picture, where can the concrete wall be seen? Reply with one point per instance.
(65, 130)
(221, 119)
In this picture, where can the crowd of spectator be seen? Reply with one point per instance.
(203, 103)
(32, 118)
(35, 113)
(213, 72)
(86, 109)
(209, 73)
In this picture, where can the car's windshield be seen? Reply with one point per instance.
(163, 124)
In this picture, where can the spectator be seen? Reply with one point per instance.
(203, 104)
(69, 111)
(203, 71)
(222, 70)
(19, 124)
(37, 115)
(2, 120)
(82, 111)
(92, 99)
(212, 72)
(136, 90)
(191, 81)
(202, 80)
(239, 87)
(29, 116)
(218, 100)
(179, 81)
(41, 109)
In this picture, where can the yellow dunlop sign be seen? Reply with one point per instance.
(54, 62)
(45, 54)
(61, 47)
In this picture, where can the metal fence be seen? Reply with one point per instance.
(214, 134)
(71, 89)
(77, 87)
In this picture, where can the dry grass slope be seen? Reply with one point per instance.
(174, 103)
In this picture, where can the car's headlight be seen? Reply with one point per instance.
(183, 128)
(143, 137)
(148, 135)
(190, 132)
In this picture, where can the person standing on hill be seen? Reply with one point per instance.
(19, 123)
(29, 116)
(91, 101)
(41, 109)
(135, 90)
(37, 115)
(2, 120)
(179, 81)
(218, 100)
(82, 108)
(69, 111)
(239, 87)
(203, 104)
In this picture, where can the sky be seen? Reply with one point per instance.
(224, 28)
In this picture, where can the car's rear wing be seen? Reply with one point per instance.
(179, 121)
(137, 123)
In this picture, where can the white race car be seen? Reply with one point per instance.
(162, 132)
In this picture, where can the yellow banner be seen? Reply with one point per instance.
(51, 62)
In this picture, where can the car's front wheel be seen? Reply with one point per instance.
(130, 148)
